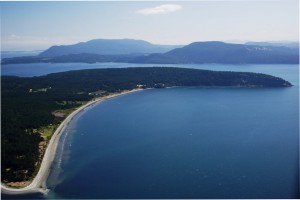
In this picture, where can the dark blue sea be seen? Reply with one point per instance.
(185, 142)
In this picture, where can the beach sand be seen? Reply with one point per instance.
(38, 185)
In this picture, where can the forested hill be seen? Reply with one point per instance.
(127, 78)
(28, 104)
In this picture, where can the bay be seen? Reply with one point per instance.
(185, 142)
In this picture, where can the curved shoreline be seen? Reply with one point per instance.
(38, 185)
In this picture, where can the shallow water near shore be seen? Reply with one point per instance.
(192, 142)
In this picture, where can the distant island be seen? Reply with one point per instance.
(33, 108)
(139, 51)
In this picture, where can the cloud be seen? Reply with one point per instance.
(14, 36)
(162, 9)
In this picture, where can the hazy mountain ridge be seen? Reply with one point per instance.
(128, 51)
(220, 52)
(108, 47)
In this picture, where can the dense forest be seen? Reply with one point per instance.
(29, 103)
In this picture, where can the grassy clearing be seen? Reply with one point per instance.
(47, 132)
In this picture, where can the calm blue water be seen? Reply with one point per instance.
(185, 143)
(38, 69)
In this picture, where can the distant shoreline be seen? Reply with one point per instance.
(38, 184)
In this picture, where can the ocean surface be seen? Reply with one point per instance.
(185, 142)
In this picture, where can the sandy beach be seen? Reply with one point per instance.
(39, 182)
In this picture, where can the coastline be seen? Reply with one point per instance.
(38, 184)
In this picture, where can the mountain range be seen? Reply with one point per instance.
(108, 47)
(220, 52)
(139, 51)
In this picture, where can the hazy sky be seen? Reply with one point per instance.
(38, 25)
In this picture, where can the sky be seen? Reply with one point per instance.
(39, 25)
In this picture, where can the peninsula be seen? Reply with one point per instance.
(36, 110)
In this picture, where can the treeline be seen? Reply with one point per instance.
(28, 103)
(128, 78)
